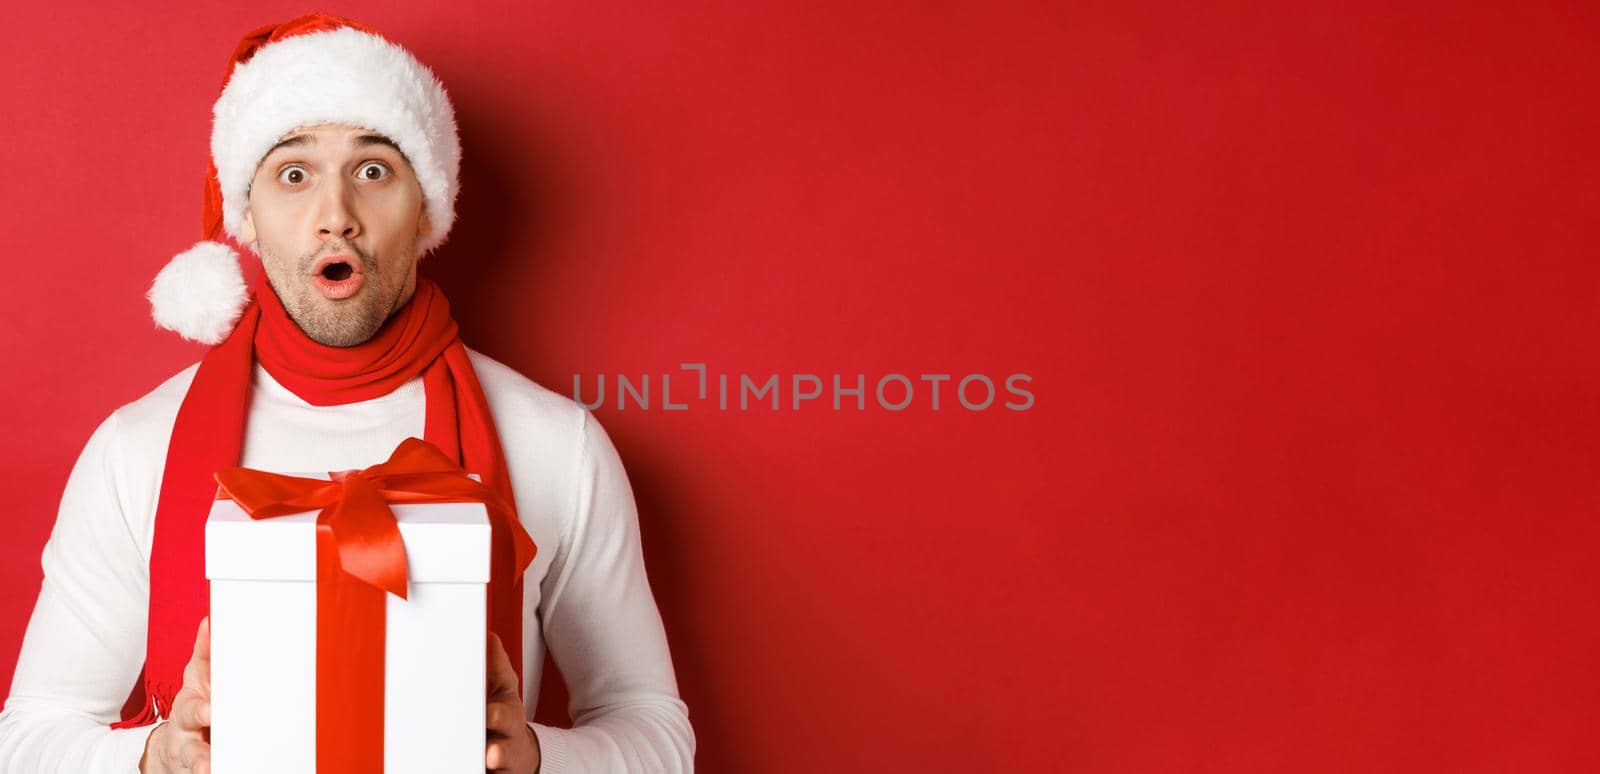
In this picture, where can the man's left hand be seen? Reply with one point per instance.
(511, 745)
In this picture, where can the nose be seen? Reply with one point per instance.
(336, 214)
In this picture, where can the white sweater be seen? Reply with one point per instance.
(587, 596)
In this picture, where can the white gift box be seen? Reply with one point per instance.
(264, 649)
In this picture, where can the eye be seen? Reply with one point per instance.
(373, 170)
(292, 175)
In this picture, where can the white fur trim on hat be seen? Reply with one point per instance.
(200, 293)
(344, 76)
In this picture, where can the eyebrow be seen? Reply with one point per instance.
(362, 141)
(289, 142)
(377, 139)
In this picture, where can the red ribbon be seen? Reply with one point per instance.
(360, 557)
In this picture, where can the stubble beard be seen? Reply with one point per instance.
(343, 323)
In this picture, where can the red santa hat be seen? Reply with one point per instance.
(313, 69)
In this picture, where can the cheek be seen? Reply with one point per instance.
(283, 226)
(393, 219)
(267, 214)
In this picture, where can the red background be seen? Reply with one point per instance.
(1307, 292)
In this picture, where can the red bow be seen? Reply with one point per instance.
(355, 504)
(360, 556)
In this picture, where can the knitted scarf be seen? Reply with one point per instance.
(419, 338)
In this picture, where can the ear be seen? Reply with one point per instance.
(424, 226)
(247, 229)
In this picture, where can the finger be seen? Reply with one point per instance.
(196, 753)
(202, 640)
(197, 673)
(504, 717)
(187, 712)
(202, 656)
(502, 678)
(203, 766)
(171, 752)
(195, 684)
(500, 757)
(183, 719)
(191, 717)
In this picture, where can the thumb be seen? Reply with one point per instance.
(502, 677)
(197, 673)
(202, 640)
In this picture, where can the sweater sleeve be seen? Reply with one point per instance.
(85, 641)
(606, 636)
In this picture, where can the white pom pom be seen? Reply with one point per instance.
(200, 293)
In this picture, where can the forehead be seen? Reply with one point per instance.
(332, 138)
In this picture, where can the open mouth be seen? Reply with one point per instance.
(337, 276)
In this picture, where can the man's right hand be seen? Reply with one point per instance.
(182, 743)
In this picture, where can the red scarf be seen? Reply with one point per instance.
(420, 338)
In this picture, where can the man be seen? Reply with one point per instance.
(335, 156)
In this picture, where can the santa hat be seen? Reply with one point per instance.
(313, 69)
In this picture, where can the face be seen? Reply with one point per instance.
(335, 213)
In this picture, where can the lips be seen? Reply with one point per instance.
(337, 276)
